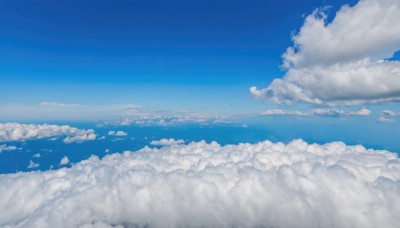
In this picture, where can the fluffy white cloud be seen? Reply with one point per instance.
(4, 147)
(317, 112)
(117, 133)
(64, 160)
(342, 62)
(166, 142)
(19, 132)
(207, 185)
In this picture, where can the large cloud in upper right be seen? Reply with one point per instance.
(343, 62)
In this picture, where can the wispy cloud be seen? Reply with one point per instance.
(4, 147)
(388, 116)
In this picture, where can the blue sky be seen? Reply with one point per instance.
(198, 54)
(200, 113)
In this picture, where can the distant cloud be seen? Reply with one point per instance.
(343, 62)
(317, 112)
(117, 133)
(207, 185)
(60, 105)
(32, 165)
(21, 132)
(166, 142)
(167, 118)
(4, 147)
(64, 160)
(387, 116)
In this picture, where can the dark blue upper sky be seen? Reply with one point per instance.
(169, 44)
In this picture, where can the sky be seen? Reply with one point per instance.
(200, 113)
(162, 55)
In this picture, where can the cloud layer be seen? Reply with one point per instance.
(343, 62)
(207, 185)
(317, 112)
(20, 132)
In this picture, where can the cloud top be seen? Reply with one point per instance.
(166, 142)
(207, 185)
(317, 112)
(343, 62)
(20, 132)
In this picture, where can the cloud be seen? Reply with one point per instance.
(342, 62)
(166, 142)
(117, 133)
(317, 112)
(58, 105)
(207, 185)
(389, 113)
(64, 160)
(4, 147)
(36, 155)
(32, 165)
(21, 132)
(167, 118)
(387, 116)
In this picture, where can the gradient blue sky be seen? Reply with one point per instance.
(159, 54)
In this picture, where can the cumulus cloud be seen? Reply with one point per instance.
(117, 133)
(317, 112)
(207, 185)
(166, 142)
(4, 147)
(64, 160)
(20, 132)
(343, 62)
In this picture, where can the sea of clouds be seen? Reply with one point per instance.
(208, 185)
(20, 132)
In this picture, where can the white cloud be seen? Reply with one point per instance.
(4, 147)
(36, 155)
(317, 112)
(387, 116)
(342, 62)
(207, 185)
(117, 133)
(166, 142)
(389, 113)
(64, 160)
(383, 119)
(32, 165)
(59, 105)
(166, 118)
(20, 132)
